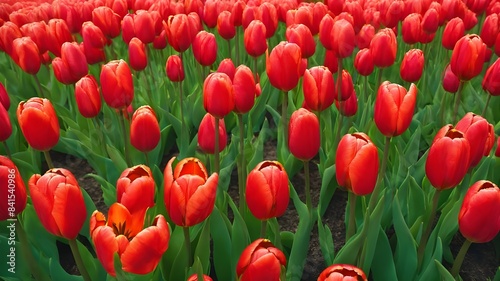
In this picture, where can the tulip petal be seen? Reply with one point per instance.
(201, 203)
(266, 268)
(43, 205)
(259, 196)
(105, 247)
(68, 199)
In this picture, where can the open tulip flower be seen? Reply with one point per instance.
(260, 260)
(342, 272)
(135, 189)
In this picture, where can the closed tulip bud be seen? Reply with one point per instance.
(4, 97)
(450, 80)
(448, 158)
(59, 33)
(205, 48)
(391, 12)
(225, 25)
(180, 31)
(348, 107)
(5, 125)
(363, 62)
(454, 30)
(302, 36)
(206, 134)
(144, 129)
(93, 55)
(88, 97)
(478, 218)
(93, 36)
(194, 277)
(254, 38)
(11, 187)
(135, 190)
(346, 86)
(144, 26)
(227, 66)
(476, 130)
(75, 63)
(267, 193)
(331, 61)
(490, 30)
(118, 235)
(37, 31)
(26, 55)
(38, 121)
(128, 30)
(412, 65)
(116, 84)
(430, 21)
(9, 31)
(394, 107)
(319, 88)
(383, 48)
(244, 89)
(174, 68)
(107, 20)
(468, 56)
(342, 272)
(303, 134)
(325, 31)
(260, 260)
(137, 54)
(218, 94)
(491, 79)
(343, 38)
(210, 13)
(356, 163)
(269, 16)
(55, 195)
(411, 29)
(283, 66)
(365, 36)
(189, 192)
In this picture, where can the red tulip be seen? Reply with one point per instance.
(478, 218)
(174, 68)
(476, 130)
(93, 35)
(9, 31)
(453, 31)
(490, 30)
(302, 36)
(26, 55)
(144, 26)
(88, 97)
(491, 79)
(128, 30)
(194, 277)
(412, 65)
(430, 21)
(37, 31)
(260, 261)
(116, 84)
(73, 64)
(303, 134)
(218, 94)
(346, 87)
(384, 47)
(160, 41)
(137, 54)
(244, 89)
(356, 163)
(205, 48)
(5, 124)
(269, 16)
(55, 195)
(450, 80)
(267, 193)
(225, 25)
(319, 11)
(181, 30)
(342, 272)
(302, 15)
(348, 107)
(4, 97)
(411, 29)
(107, 20)
(144, 129)
(468, 56)
(283, 66)
(254, 38)
(363, 62)
(365, 36)
(448, 158)
(12, 188)
(343, 38)
(206, 134)
(319, 88)
(140, 250)
(189, 192)
(490, 141)
(38, 121)
(325, 31)
(58, 34)
(93, 55)
(227, 66)
(391, 12)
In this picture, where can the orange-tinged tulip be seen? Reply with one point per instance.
(453, 31)
(267, 193)
(302, 36)
(140, 250)
(218, 94)
(348, 107)
(478, 218)
(342, 272)
(58, 202)
(174, 68)
(356, 164)
(319, 88)
(283, 66)
(194, 277)
(448, 158)
(384, 47)
(244, 89)
(107, 20)
(138, 57)
(38, 121)
(227, 66)
(476, 130)
(12, 188)
(9, 31)
(254, 38)
(116, 84)
(135, 189)
(303, 134)
(468, 56)
(189, 192)
(144, 129)
(206, 134)
(363, 62)
(412, 65)
(205, 48)
(450, 80)
(26, 55)
(260, 260)
(491, 78)
(225, 25)
(88, 97)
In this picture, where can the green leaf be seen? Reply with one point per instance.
(326, 242)
(174, 249)
(327, 190)
(202, 251)
(445, 274)
(117, 158)
(405, 254)
(384, 268)
(240, 237)
(57, 273)
(221, 246)
(430, 271)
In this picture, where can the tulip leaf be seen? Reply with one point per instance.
(108, 190)
(120, 274)
(37, 235)
(239, 234)
(405, 253)
(202, 251)
(481, 172)
(429, 269)
(416, 201)
(258, 147)
(384, 268)
(326, 242)
(93, 266)
(448, 221)
(445, 274)
(57, 273)
(116, 157)
(174, 250)
(18, 269)
(327, 190)
(176, 123)
(497, 275)
(221, 246)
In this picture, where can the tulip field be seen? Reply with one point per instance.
(249, 140)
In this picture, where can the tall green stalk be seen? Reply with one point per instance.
(458, 97)
(308, 187)
(187, 242)
(284, 117)
(48, 159)
(125, 139)
(263, 228)
(425, 236)
(78, 259)
(241, 165)
(486, 105)
(460, 258)
(351, 226)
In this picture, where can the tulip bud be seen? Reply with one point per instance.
(365, 36)
(174, 68)
(319, 88)
(450, 80)
(254, 38)
(384, 47)
(269, 16)
(116, 84)
(93, 35)
(244, 89)
(4, 97)
(331, 61)
(55, 195)
(303, 134)
(343, 37)
(128, 30)
(283, 66)
(302, 36)
(363, 62)
(448, 158)
(342, 272)
(38, 121)
(476, 130)
(206, 134)
(227, 66)
(325, 31)
(160, 41)
(491, 79)
(107, 20)
(9, 31)
(12, 188)
(88, 97)
(346, 86)
(260, 261)
(59, 33)
(5, 125)
(37, 31)
(490, 30)
(478, 218)
(412, 65)
(468, 56)
(205, 48)
(137, 54)
(135, 189)
(218, 94)
(181, 30)
(391, 12)
(357, 163)
(453, 31)
(225, 26)
(144, 129)
(144, 26)
(411, 28)
(73, 65)
(348, 107)
(430, 21)
(26, 55)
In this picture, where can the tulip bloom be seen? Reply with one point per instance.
(303, 134)
(267, 193)
(144, 26)
(225, 26)
(478, 218)
(88, 97)
(206, 134)
(107, 20)
(254, 38)
(342, 272)
(412, 65)
(205, 48)
(189, 192)
(348, 107)
(244, 89)
(12, 189)
(497, 151)
(116, 84)
(411, 28)
(93, 36)
(181, 30)
(448, 158)
(453, 31)
(174, 68)
(468, 56)
(59, 33)
(218, 94)
(38, 121)
(356, 163)
(55, 195)
(260, 261)
(363, 62)
(346, 86)
(302, 36)
(144, 129)
(194, 277)
(384, 47)
(26, 55)
(319, 88)
(283, 66)
(394, 107)
(9, 31)
(490, 30)
(450, 80)
(343, 38)
(430, 21)
(137, 54)
(4, 97)
(227, 66)
(140, 250)
(476, 130)
(491, 78)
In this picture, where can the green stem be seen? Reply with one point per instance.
(78, 259)
(441, 109)
(365, 88)
(187, 242)
(255, 71)
(428, 228)
(181, 106)
(460, 258)
(308, 187)
(28, 254)
(457, 101)
(379, 79)
(229, 47)
(486, 105)
(48, 159)
(216, 147)
(39, 86)
(241, 165)
(284, 117)
(100, 136)
(263, 228)
(339, 128)
(147, 159)
(351, 227)
(7, 150)
(124, 131)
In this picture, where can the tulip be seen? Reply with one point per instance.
(468, 57)
(218, 94)
(346, 87)
(411, 29)
(37, 31)
(254, 38)
(391, 12)
(325, 31)
(302, 36)
(476, 130)
(128, 30)
(343, 38)
(412, 65)
(144, 129)
(181, 30)
(260, 260)
(283, 66)
(244, 89)
(227, 66)
(225, 26)
(194, 277)
(93, 36)
(135, 190)
(107, 20)
(139, 250)
(55, 195)
(490, 141)
(331, 61)
(38, 121)
(116, 84)
(356, 163)
(497, 151)
(160, 41)
(174, 68)
(189, 192)
(342, 272)
(9, 31)
(73, 64)
(450, 80)
(490, 29)
(490, 81)
(206, 134)
(93, 55)
(269, 16)
(430, 21)
(453, 31)
(144, 26)
(88, 97)
(4, 97)
(12, 189)
(348, 107)
(205, 48)
(384, 47)
(448, 158)
(59, 33)
(363, 62)
(26, 55)
(137, 54)
(365, 36)
(303, 134)
(319, 88)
